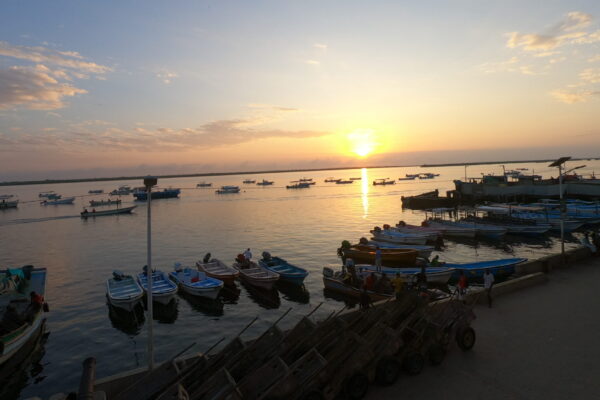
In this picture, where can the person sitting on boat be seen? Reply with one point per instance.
(371, 281)
(206, 258)
(365, 300)
(93, 210)
(435, 262)
(85, 211)
(402, 223)
(383, 285)
(241, 260)
(248, 255)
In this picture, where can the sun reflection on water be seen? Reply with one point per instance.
(365, 192)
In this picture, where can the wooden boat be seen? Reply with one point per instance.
(344, 182)
(398, 237)
(228, 189)
(383, 182)
(255, 275)
(475, 270)
(22, 323)
(356, 179)
(265, 182)
(331, 179)
(102, 213)
(217, 269)
(196, 283)
(389, 257)
(121, 191)
(249, 181)
(434, 274)
(298, 185)
(67, 200)
(96, 191)
(45, 194)
(287, 272)
(142, 195)
(204, 184)
(424, 251)
(334, 281)
(411, 178)
(123, 291)
(163, 289)
(97, 203)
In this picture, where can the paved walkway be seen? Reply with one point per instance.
(541, 342)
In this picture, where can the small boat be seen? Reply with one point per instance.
(96, 191)
(53, 196)
(383, 181)
(216, 268)
(97, 203)
(434, 274)
(6, 196)
(287, 272)
(361, 254)
(451, 230)
(411, 178)
(298, 185)
(123, 291)
(331, 179)
(306, 180)
(163, 289)
(491, 231)
(475, 270)
(121, 191)
(66, 200)
(228, 189)
(356, 178)
(343, 182)
(88, 214)
(265, 182)
(203, 184)
(196, 283)
(4, 203)
(249, 181)
(398, 237)
(424, 251)
(334, 281)
(255, 275)
(142, 195)
(46, 194)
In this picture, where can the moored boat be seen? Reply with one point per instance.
(46, 194)
(228, 189)
(344, 182)
(451, 230)
(66, 200)
(163, 289)
(424, 251)
(96, 191)
(356, 178)
(383, 181)
(255, 275)
(203, 184)
(398, 237)
(264, 182)
(475, 270)
(249, 181)
(389, 257)
(434, 274)
(142, 195)
(287, 272)
(331, 179)
(298, 185)
(123, 291)
(4, 203)
(196, 283)
(97, 203)
(101, 213)
(121, 191)
(216, 268)
(335, 281)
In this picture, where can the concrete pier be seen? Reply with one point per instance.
(537, 343)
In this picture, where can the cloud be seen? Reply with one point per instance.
(43, 55)
(571, 97)
(595, 58)
(312, 62)
(591, 75)
(320, 46)
(566, 31)
(33, 87)
(511, 65)
(166, 76)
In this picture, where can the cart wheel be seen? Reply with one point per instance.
(388, 369)
(436, 354)
(355, 387)
(466, 338)
(313, 395)
(413, 363)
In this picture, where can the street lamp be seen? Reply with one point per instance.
(150, 181)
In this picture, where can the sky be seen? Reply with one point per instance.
(105, 88)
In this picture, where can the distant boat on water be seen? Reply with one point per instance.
(96, 191)
(142, 195)
(265, 183)
(96, 203)
(66, 200)
(249, 181)
(228, 189)
(331, 179)
(356, 179)
(298, 185)
(45, 194)
(4, 203)
(121, 191)
(344, 182)
(204, 184)
(92, 214)
(383, 181)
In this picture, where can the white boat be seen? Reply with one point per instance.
(255, 275)
(434, 274)
(430, 233)
(398, 237)
(123, 291)
(122, 191)
(195, 282)
(452, 230)
(424, 251)
(46, 194)
(228, 189)
(216, 268)
(66, 200)
(6, 196)
(8, 203)
(265, 182)
(163, 289)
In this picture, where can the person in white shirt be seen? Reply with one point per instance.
(248, 255)
(488, 282)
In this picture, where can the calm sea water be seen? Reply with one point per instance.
(303, 226)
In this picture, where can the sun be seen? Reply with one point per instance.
(361, 142)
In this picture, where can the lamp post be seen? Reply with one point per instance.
(149, 181)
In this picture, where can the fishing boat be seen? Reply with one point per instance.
(66, 200)
(8, 204)
(97, 203)
(287, 272)
(475, 270)
(398, 237)
(383, 182)
(335, 281)
(53, 196)
(102, 213)
(485, 230)
(265, 182)
(451, 230)
(6, 196)
(121, 191)
(228, 189)
(95, 191)
(331, 179)
(123, 291)
(45, 194)
(203, 184)
(361, 254)
(249, 181)
(308, 180)
(22, 322)
(358, 178)
(163, 289)
(412, 178)
(431, 234)
(253, 274)
(142, 195)
(298, 185)
(217, 269)
(343, 182)
(423, 250)
(434, 274)
(196, 283)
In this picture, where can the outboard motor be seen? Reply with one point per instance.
(206, 258)
(386, 226)
(327, 272)
(377, 229)
(363, 240)
(118, 275)
(266, 256)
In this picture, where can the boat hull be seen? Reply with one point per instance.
(257, 276)
(287, 272)
(401, 239)
(436, 275)
(336, 285)
(218, 270)
(163, 289)
(389, 257)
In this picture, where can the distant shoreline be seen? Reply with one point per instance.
(281, 171)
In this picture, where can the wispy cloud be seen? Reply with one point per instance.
(591, 75)
(312, 62)
(571, 97)
(510, 65)
(166, 76)
(595, 58)
(320, 46)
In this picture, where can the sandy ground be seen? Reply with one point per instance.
(542, 342)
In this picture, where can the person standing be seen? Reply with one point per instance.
(488, 282)
(398, 284)
(365, 300)
(248, 255)
(462, 286)
(378, 259)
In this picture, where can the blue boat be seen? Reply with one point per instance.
(163, 289)
(141, 195)
(500, 268)
(196, 282)
(287, 272)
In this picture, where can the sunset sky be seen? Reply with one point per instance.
(102, 88)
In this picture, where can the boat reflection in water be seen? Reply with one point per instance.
(164, 313)
(268, 299)
(295, 293)
(25, 368)
(349, 302)
(230, 294)
(128, 322)
(209, 307)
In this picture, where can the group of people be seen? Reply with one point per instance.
(244, 259)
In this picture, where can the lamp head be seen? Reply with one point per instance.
(150, 181)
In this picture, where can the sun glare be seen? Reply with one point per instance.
(361, 142)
